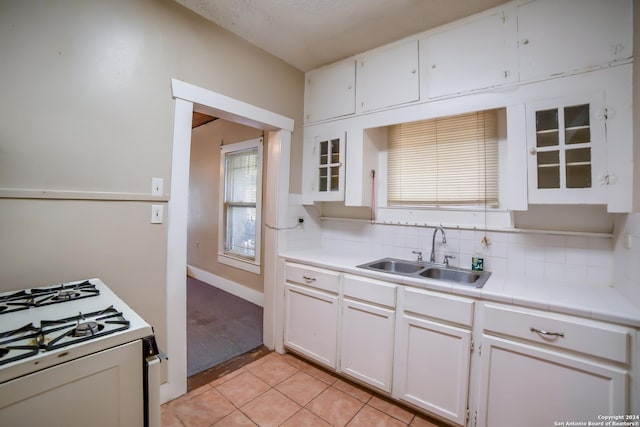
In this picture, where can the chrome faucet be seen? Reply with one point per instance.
(432, 258)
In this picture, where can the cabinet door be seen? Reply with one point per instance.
(367, 343)
(328, 165)
(330, 92)
(311, 323)
(388, 77)
(569, 35)
(479, 54)
(522, 384)
(567, 151)
(432, 367)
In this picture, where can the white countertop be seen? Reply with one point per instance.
(594, 302)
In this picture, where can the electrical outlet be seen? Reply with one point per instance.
(156, 186)
(156, 214)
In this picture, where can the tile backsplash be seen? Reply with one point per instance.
(560, 258)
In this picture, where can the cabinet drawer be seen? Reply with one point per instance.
(445, 307)
(572, 333)
(370, 290)
(314, 277)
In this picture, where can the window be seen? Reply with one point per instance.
(444, 161)
(241, 193)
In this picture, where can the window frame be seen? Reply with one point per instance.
(233, 259)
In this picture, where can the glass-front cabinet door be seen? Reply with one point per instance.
(329, 172)
(567, 149)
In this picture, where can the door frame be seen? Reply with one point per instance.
(189, 98)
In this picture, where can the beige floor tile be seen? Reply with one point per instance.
(294, 361)
(304, 418)
(270, 409)
(167, 418)
(419, 421)
(395, 411)
(243, 388)
(302, 387)
(227, 377)
(320, 374)
(273, 371)
(335, 406)
(190, 395)
(371, 417)
(203, 410)
(352, 390)
(235, 419)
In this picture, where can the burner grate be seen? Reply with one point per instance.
(83, 327)
(19, 343)
(38, 297)
(30, 339)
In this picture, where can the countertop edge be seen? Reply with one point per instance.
(597, 303)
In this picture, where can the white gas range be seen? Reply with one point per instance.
(75, 354)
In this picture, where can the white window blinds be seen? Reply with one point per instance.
(445, 161)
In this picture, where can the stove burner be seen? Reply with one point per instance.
(86, 329)
(85, 326)
(65, 294)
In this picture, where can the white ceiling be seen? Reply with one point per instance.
(311, 33)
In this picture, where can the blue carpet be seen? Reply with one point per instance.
(220, 326)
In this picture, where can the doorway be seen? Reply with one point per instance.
(224, 303)
(187, 99)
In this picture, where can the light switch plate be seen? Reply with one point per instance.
(156, 214)
(156, 186)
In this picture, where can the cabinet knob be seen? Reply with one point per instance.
(413, 71)
(532, 151)
(525, 41)
(433, 66)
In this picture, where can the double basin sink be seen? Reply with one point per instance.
(427, 270)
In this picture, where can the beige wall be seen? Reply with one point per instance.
(86, 106)
(204, 190)
(636, 111)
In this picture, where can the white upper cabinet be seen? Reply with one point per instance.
(330, 92)
(476, 54)
(557, 37)
(388, 77)
(567, 150)
(324, 176)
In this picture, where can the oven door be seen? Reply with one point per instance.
(104, 389)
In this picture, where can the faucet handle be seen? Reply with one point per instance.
(447, 258)
(419, 253)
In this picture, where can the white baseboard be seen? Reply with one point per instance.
(227, 285)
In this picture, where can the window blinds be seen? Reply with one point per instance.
(445, 161)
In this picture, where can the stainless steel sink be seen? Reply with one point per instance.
(429, 270)
(396, 266)
(454, 275)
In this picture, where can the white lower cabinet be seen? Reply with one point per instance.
(535, 373)
(433, 357)
(524, 385)
(368, 328)
(311, 313)
(527, 367)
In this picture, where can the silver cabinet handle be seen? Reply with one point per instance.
(308, 279)
(547, 333)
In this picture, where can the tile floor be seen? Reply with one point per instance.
(283, 390)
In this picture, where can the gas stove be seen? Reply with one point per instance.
(37, 325)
